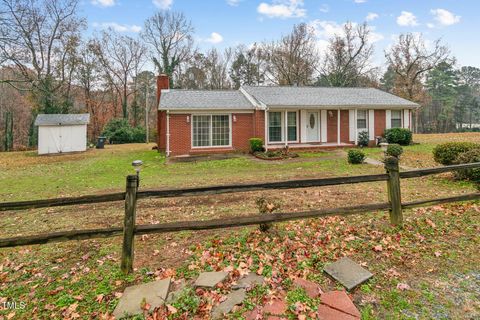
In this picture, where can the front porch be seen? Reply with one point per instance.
(310, 146)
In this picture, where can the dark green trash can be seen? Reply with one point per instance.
(101, 142)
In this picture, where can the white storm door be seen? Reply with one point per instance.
(313, 126)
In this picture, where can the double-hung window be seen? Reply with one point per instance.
(396, 119)
(361, 119)
(275, 126)
(210, 130)
(278, 130)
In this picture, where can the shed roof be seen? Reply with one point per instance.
(325, 96)
(62, 119)
(204, 100)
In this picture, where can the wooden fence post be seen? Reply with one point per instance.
(129, 224)
(394, 192)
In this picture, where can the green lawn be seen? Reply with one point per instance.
(436, 254)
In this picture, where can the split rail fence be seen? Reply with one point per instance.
(132, 194)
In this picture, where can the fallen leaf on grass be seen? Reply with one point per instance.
(378, 248)
(403, 286)
(437, 254)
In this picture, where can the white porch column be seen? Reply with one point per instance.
(355, 124)
(338, 126)
(265, 120)
(406, 118)
(285, 121)
(303, 126)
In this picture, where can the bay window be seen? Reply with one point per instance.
(210, 130)
(396, 119)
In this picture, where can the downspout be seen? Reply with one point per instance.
(167, 144)
(355, 127)
(266, 128)
(285, 123)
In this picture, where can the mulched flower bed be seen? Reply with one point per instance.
(275, 155)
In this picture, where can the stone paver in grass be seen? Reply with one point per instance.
(248, 281)
(312, 289)
(349, 273)
(210, 279)
(339, 300)
(326, 313)
(134, 298)
(234, 298)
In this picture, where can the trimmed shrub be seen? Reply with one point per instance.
(468, 157)
(120, 131)
(400, 136)
(447, 153)
(256, 145)
(363, 139)
(355, 156)
(394, 150)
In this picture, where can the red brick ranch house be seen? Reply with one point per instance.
(200, 122)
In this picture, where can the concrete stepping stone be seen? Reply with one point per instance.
(234, 298)
(276, 307)
(175, 290)
(339, 301)
(349, 273)
(153, 294)
(312, 289)
(326, 313)
(210, 279)
(248, 281)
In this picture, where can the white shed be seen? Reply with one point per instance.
(60, 133)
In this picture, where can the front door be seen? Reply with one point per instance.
(313, 127)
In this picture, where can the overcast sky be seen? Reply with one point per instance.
(223, 23)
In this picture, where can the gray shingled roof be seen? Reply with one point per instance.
(323, 96)
(62, 119)
(204, 99)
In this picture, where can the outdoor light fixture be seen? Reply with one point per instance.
(137, 166)
(330, 114)
(188, 119)
(234, 118)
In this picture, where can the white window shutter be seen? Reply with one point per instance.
(303, 125)
(406, 118)
(323, 125)
(388, 119)
(351, 125)
(371, 124)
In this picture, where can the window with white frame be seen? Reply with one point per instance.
(396, 119)
(275, 126)
(292, 126)
(210, 130)
(278, 130)
(361, 119)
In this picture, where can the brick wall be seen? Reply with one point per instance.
(332, 126)
(344, 126)
(161, 130)
(180, 135)
(380, 122)
(259, 127)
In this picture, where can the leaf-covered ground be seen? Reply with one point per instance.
(430, 269)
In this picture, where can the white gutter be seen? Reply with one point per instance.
(167, 147)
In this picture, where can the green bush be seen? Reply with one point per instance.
(399, 135)
(120, 131)
(363, 139)
(256, 145)
(468, 157)
(447, 153)
(394, 150)
(355, 156)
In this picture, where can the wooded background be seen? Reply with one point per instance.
(47, 65)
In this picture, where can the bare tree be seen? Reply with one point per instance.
(247, 66)
(216, 68)
(40, 38)
(410, 59)
(347, 62)
(121, 58)
(292, 60)
(169, 35)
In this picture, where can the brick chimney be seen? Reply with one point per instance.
(163, 83)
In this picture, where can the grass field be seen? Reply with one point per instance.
(436, 254)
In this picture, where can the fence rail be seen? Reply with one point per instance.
(129, 228)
